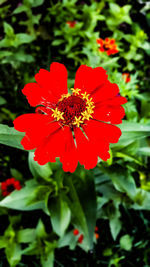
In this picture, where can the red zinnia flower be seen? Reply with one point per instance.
(10, 185)
(75, 231)
(126, 77)
(108, 45)
(74, 127)
(80, 239)
(96, 228)
(71, 24)
(96, 235)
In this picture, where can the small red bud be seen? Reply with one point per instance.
(80, 239)
(96, 228)
(75, 231)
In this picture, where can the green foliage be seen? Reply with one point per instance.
(37, 222)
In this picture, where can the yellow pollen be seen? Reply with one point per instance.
(86, 115)
(64, 96)
(57, 114)
(85, 96)
(75, 91)
(90, 109)
(77, 121)
(89, 102)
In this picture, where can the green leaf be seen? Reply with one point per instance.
(114, 8)
(42, 171)
(13, 253)
(83, 205)
(35, 3)
(20, 9)
(2, 101)
(126, 242)
(132, 131)
(144, 151)
(19, 200)
(26, 235)
(115, 226)
(5, 54)
(40, 230)
(49, 262)
(8, 29)
(10, 137)
(60, 214)
(23, 38)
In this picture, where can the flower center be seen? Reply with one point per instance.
(10, 188)
(73, 109)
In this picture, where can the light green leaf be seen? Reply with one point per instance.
(20, 9)
(83, 211)
(115, 226)
(131, 131)
(10, 137)
(43, 171)
(60, 214)
(19, 200)
(26, 235)
(2, 101)
(23, 38)
(8, 29)
(126, 242)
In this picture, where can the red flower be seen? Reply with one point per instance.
(10, 185)
(74, 127)
(80, 239)
(96, 235)
(71, 24)
(96, 228)
(126, 77)
(75, 231)
(108, 45)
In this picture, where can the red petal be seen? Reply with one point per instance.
(102, 132)
(59, 144)
(69, 157)
(87, 152)
(3, 186)
(88, 79)
(105, 92)
(50, 85)
(36, 126)
(112, 114)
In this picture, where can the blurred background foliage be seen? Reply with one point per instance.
(37, 222)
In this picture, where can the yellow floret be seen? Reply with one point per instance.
(57, 114)
(75, 91)
(77, 121)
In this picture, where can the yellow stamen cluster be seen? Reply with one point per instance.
(75, 91)
(78, 121)
(64, 96)
(57, 114)
(85, 115)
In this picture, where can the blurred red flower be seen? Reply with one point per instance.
(75, 231)
(74, 127)
(10, 185)
(126, 77)
(71, 24)
(108, 45)
(80, 239)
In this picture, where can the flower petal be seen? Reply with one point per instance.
(88, 79)
(36, 126)
(105, 92)
(87, 152)
(59, 144)
(112, 114)
(49, 87)
(69, 158)
(100, 131)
